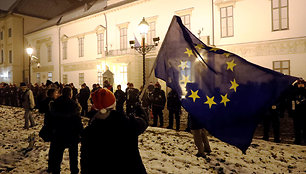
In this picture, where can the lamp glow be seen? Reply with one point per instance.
(143, 26)
(29, 51)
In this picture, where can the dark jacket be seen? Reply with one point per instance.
(67, 121)
(173, 101)
(110, 145)
(84, 95)
(120, 97)
(132, 96)
(158, 99)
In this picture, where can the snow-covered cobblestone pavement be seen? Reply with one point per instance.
(162, 151)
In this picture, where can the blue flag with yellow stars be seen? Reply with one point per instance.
(223, 92)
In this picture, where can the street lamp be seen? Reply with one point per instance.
(143, 48)
(30, 52)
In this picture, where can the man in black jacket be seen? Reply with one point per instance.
(174, 107)
(110, 141)
(65, 113)
(158, 104)
(83, 98)
(132, 97)
(120, 99)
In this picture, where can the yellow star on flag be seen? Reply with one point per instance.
(199, 46)
(234, 85)
(214, 49)
(224, 99)
(210, 101)
(194, 95)
(189, 52)
(185, 79)
(183, 65)
(230, 65)
(227, 54)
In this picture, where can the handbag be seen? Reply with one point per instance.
(45, 133)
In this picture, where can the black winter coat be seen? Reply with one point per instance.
(111, 145)
(158, 99)
(120, 97)
(84, 95)
(173, 101)
(66, 117)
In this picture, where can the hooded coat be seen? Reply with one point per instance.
(110, 144)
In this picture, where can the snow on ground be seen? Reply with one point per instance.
(162, 151)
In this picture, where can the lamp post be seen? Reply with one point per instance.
(143, 48)
(30, 52)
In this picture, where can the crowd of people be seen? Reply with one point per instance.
(110, 123)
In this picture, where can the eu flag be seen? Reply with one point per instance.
(223, 92)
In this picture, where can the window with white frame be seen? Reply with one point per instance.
(227, 20)
(100, 43)
(49, 49)
(9, 75)
(186, 20)
(2, 56)
(151, 33)
(100, 77)
(64, 43)
(50, 76)
(282, 66)
(81, 47)
(10, 56)
(123, 75)
(280, 17)
(123, 38)
(65, 78)
(38, 78)
(81, 78)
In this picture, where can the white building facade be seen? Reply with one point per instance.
(91, 44)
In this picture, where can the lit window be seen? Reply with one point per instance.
(100, 43)
(123, 38)
(280, 17)
(50, 76)
(38, 78)
(227, 28)
(186, 20)
(123, 76)
(81, 47)
(81, 78)
(65, 78)
(9, 74)
(282, 66)
(64, 50)
(151, 33)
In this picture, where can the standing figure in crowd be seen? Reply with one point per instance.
(28, 103)
(46, 132)
(107, 85)
(146, 100)
(74, 91)
(272, 116)
(200, 137)
(110, 142)
(158, 104)
(120, 99)
(298, 111)
(83, 98)
(174, 107)
(65, 112)
(132, 98)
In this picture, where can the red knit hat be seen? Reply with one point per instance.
(103, 99)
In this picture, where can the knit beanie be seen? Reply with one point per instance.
(103, 99)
